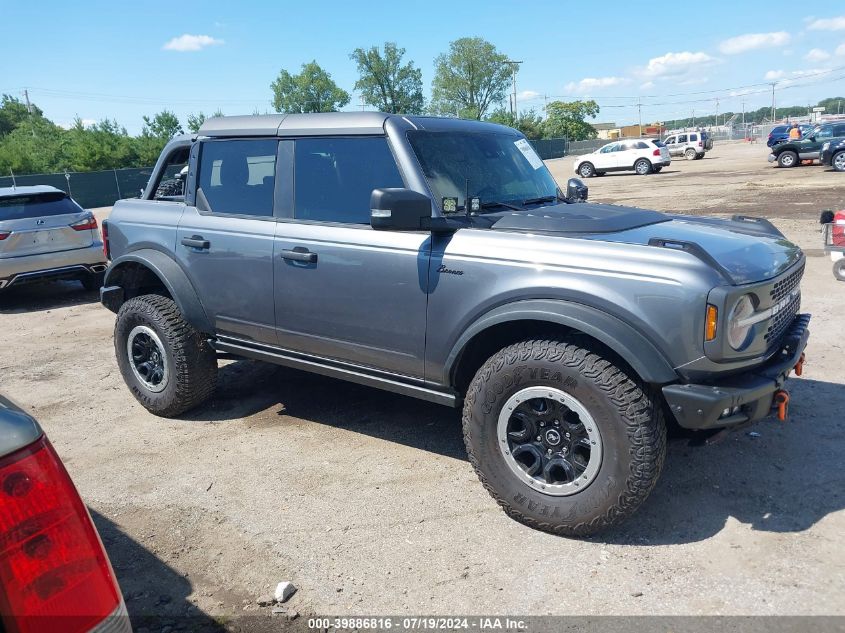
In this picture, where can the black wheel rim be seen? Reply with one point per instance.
(550, 440)
(147, 358)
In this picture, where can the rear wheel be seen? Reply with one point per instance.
(839, 269)
(168, 366)
(562, 438)
(586, 170)
(642, 167)
(690, 154)
(787, 159)
(838, 161)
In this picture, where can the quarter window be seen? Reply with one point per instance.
(238, 177)
(334, 177)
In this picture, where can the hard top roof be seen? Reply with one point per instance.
(325, 123)
(8, 192)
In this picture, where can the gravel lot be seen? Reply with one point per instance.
(366, 501)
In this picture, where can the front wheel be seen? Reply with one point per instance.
(787, 159)
(642, 167)
(562, 438)
(838, 161)
(168, 366)
(586, 170)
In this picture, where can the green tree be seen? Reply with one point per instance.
(13, 114)
(312, 90)
(35, 148)
(386, 83)
(566, 118)
(529, 123)
(195, 122)
(469, 79)
(104, 145)
(164, 125)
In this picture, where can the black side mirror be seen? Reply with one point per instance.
(576, 190)
(399, 210)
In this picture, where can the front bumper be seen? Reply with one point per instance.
(825, 156)
(746, 397)
(772, 158)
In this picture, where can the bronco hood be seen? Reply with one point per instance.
(744, 249)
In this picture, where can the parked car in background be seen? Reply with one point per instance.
(833, 154)
(45, 235)
(791, 153)
(641, 155)
(690, 145)
(780, 133)
(54, 573)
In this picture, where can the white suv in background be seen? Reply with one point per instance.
(690, 145)
(642, 155)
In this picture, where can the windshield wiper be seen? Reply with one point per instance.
(541, 199)
(493, 204)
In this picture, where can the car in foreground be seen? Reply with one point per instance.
(792, 153)
(833, 154)
(690, 145)
(780, 133)
(44, 236)
(643, 156)
(54, 573)
(438, 258)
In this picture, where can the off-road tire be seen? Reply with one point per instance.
(690, 154)
(788, 158)
(92, 281)
(192, 362)
(643, 167)
(839, 269)
(628, 414)
(586, 170)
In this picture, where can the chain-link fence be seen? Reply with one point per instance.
(90, 189)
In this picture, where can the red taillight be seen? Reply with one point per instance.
(4, 234)
(699, 143)
(88, 224)
(656, 152)
(105, 232)
(54, 573)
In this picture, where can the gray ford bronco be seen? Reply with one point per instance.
(438, 258)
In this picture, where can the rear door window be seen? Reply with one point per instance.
(682, 138)
(37, 206)
(334, 177)
(238, 177)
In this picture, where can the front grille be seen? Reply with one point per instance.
(780, 321)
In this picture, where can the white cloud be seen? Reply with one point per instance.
(189, 42)
(673, 64)
(828, 24)
(527, 95)
(840, 50)
(785, 79)
(753, 41)
(817, 55)
(648, 85)
(592, 83)
(773, 75)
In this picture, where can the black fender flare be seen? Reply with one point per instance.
(631, 345)
(172, 277)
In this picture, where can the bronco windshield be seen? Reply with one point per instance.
(499, 169)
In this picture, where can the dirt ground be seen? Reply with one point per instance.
(366, 501)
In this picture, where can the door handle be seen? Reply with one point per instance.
(302, 255)
(196, 241)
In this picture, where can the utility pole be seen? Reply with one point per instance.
(743, 114)
(514, 67)
(29, 110)
(361, 97)
(640, 116)
(693, 117)
(773, 101)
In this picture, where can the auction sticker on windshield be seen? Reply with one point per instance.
(531, 156)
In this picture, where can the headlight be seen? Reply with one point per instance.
(738, 333)
(826, 145)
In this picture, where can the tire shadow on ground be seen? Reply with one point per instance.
(775, 477)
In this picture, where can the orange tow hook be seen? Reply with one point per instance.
(799, 367)
(782, 403)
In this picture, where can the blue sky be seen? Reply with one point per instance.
(122, 60)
